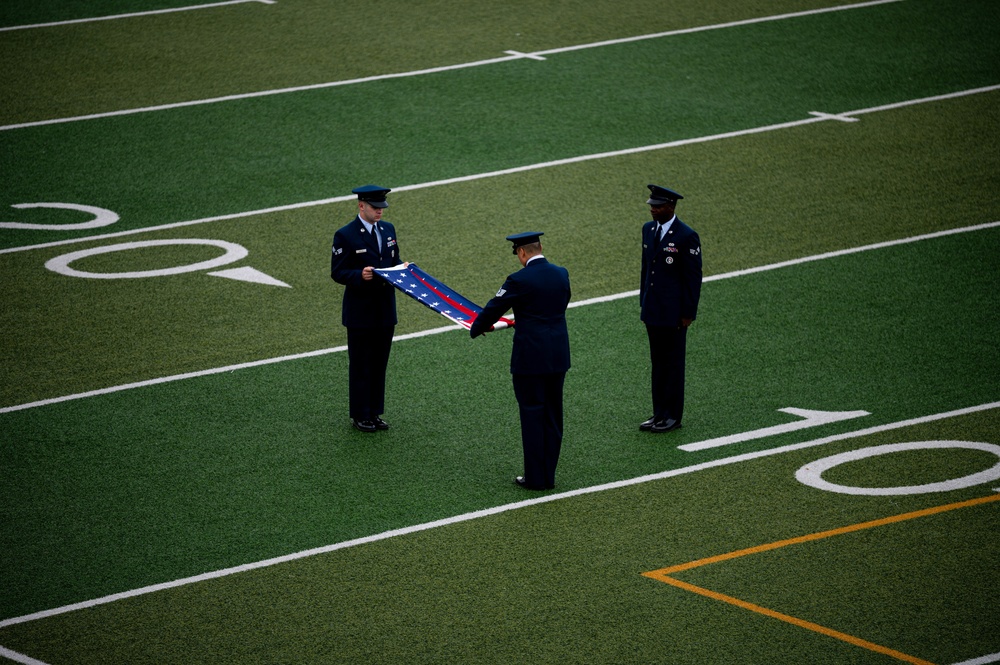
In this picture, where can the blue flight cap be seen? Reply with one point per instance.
(525, 238)
(660, 195)
(373, 195)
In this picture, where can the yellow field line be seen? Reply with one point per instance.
(826, 534)
(793, 620)
(663, 574)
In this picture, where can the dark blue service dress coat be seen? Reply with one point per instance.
(539, 294)
(671, 275)
(366, 304)
(669, 291)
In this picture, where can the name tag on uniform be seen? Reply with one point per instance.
(360, 251)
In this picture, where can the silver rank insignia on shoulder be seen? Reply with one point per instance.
(696, 251)
(337, 252)
(501, 292)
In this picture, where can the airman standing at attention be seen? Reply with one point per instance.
(668, 297)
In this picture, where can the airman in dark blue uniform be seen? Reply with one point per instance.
(668, 296)
(369, 307)
(539, 359)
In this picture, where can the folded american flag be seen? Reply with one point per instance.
(441, 298)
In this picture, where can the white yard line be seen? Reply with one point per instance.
(982, 660)
(113, 17)
(486, 512)
(436, 331)
(19, 657)
(522, 504)
(512, 55)
(479, 176)
(717, 26)
(514, 169)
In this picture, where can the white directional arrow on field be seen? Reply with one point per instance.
(248, 274)
(812, 419)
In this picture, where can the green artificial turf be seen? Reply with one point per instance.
(565, 578)
(258, 462)
(67, 335)
(198, 162)
(112, 493)
(175, 57)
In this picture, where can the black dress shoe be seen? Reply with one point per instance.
(667, 425)
(363, 425)
(381, 424)
(647, 425)
(521, 482)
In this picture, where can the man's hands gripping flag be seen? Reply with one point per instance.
(444, 300)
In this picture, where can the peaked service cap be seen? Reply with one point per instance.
(525, 238)
(660, 195)
(372, 195)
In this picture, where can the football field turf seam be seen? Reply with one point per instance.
(486, 512)
(512, 55)
(449, 328)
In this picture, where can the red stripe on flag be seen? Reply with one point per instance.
(451, 302)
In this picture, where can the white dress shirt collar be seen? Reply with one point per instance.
(665, 226)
